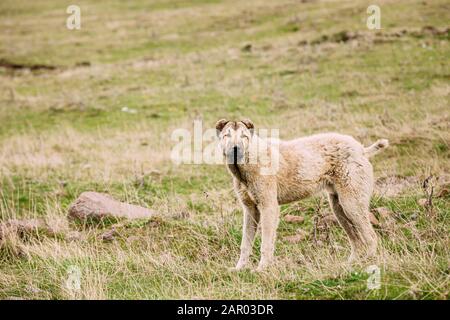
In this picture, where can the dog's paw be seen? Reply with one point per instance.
(266, 265)
(233, 269)
(260, 269)
(237, 268)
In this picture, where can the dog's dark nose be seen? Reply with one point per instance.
(235, 155)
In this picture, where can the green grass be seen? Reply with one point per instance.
(63, 132)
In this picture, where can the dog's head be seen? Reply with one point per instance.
(234, 139)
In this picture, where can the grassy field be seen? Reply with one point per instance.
(303, 67)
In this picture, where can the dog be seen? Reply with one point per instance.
(332, 162)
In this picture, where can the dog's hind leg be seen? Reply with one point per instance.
(362, 234)
(344, 222)
(350, 203)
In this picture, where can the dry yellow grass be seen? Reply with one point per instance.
(63, 131)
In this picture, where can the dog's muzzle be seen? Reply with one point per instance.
(235, 155)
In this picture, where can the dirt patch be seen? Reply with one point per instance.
(433, 31)
(342, 36)
(379, 37)
(38, 67)
(20, 66)
(395, 185)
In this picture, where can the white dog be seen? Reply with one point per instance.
(332, 162)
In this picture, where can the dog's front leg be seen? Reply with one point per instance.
(269, 223)
(251, 219)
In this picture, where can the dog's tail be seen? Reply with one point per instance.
(376, 147)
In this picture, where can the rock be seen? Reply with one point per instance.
(109, 235)
(373, 219)
(383, 213)
(384, 216)
(414, 216)
(25, 227)
(96, 206)
(247, 48)
(422, 202)
(293, 219)
(293, 239)
(444, 192)
(296, 238)
(329, 219)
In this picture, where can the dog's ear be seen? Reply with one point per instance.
(220, 124)
(249, 124)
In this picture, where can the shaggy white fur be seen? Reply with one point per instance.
(333, 162)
